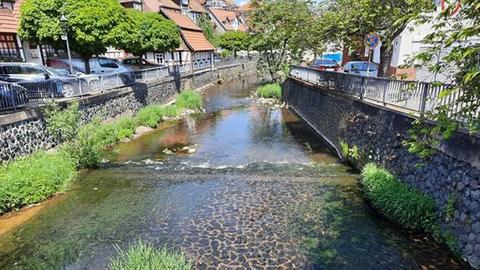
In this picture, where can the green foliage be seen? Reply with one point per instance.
(396, 201)
(149, 116)
(271, 90)
(146, 32)
(345, 23)
(189, 99)
(125, 128)
(450, 208)
(62, 124)
(152, 115)
(234, 41)
(225, 53)
(94, 137)
(34, 178)
(85, 148)
(451, 53)
(207, 26)
(280, 29)
(92, 25)
(146, 257)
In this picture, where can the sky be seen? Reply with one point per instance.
(241, 2)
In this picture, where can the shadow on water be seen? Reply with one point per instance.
(261, 190)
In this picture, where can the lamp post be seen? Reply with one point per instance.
(63, 22)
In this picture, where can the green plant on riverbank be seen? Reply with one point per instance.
(189, 99)
(146, 257)
(271, 90)
(152, 115)
(62, 123)
(396, 201)
(34, 178)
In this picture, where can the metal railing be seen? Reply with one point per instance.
(410, 96)
(15, 95)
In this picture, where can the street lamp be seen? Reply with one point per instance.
(63, 22)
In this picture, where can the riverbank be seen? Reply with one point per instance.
(32, 179)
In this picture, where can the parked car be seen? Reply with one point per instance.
(362, 68)
(134, 63)
(98, 66)
(28, 73)
(325, 64)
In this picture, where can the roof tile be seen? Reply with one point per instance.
(197, 41)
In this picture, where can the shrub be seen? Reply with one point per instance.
(271, 90)
(396, 201)
(149, 116)
(62, 124)
(189, 99)
(125, 128)
(146, 257)
(34, 178)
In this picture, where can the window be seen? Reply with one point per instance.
(20, 69)
(108, 63)
(159, 58)
(8, 47)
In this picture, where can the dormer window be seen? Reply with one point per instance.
(7, 4)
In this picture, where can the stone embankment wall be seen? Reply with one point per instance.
(453, 173)
(24, 132)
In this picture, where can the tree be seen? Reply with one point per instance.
(451, 52)
(346, 22)
(90, 24)
(279, 28)
(234, 41)
(146, 32)
(206, 24)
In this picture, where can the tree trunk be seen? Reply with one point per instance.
(385, 59)
(140, 61)
(86, 60)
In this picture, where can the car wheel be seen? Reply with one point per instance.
(95, 85)
(68, 90)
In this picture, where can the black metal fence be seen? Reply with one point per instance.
(410, 96)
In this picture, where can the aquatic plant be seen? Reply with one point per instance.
(406, 206)
(146, 257)
(271, 90)
(34, 178)
(189, 99)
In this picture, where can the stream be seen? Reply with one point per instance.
(246, 187)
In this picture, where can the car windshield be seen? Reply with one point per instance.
(321, 62)
(363, 66)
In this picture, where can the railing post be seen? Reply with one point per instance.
(384, 96)
(101, 83)
(14, 104)
(52, 89)
(423, 100)
(80, 87)
(362, 88)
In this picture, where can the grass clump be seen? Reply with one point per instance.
(34, 178)
(151, 115)
(396, 201)
(146, 257)
(271, 90)
(189, 99)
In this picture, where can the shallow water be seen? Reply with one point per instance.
(261, 190)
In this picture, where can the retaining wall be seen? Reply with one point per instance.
(24, 132)
(452, 173)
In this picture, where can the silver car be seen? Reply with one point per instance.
(362, 68)
(31, 75)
